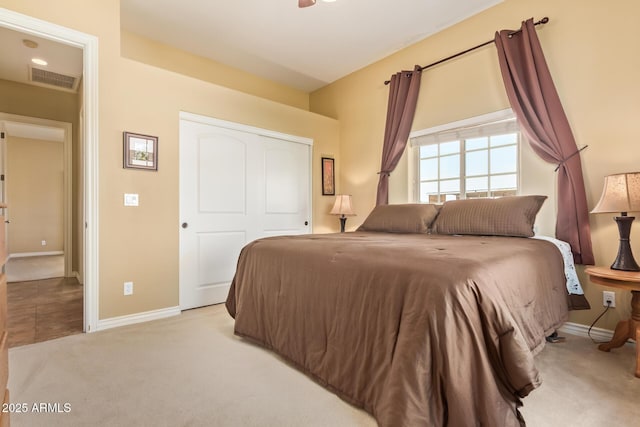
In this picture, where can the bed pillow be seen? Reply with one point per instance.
(504, 216)
(405, 218)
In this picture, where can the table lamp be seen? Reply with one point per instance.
(621, 193)
(342, 207)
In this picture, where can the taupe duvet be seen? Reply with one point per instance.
(419, 330)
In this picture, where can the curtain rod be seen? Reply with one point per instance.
(542, 21)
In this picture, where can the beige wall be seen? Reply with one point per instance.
(141, 244)
(161, 55)
(35, 195)
(590, 48)
(18, 98)
(133, 238)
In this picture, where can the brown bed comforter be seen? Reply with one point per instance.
(419, 330)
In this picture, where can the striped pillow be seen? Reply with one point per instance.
(504, 216)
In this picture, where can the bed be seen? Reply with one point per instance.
(409, 319)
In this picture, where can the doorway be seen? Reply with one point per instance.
(44, 295)
(36, 177)
(88, 138)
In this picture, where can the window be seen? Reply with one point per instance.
(467, 162)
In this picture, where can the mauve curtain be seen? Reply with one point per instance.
(403, 96)
(537, 106)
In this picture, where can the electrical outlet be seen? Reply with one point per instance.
(44, 243)
(609, 296)
(128, 288)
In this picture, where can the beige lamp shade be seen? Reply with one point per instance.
(342, 206)
(621, 193)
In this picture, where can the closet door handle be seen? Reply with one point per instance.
(185, 225)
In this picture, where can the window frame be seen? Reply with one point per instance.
(485, 125)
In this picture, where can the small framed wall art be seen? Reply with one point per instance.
(140, 151)
(328, 177)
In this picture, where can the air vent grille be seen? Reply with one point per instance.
(54, 79)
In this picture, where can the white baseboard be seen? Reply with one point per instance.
(28, 254)
(597, 334)
(77, 276)
(131, 319)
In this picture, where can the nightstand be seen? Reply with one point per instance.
(629, 280)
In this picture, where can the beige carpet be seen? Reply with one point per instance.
(190, 370)
(25, 269)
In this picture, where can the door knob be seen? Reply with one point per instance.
(6, 221)
(306, 223)
(185, 225)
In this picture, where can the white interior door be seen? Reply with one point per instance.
(236, 185)
(286, 180)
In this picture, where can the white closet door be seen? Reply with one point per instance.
(286, 177)
(235, 186)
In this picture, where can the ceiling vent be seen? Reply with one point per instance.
(52, 79)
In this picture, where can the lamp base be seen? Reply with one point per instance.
(624, 261)
(343, 222)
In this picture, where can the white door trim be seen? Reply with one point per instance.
(89, 44)
(67, 167)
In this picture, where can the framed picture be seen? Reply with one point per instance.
(140, 151)
(328, 177)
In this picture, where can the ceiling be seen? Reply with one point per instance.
(15, 60)
(303, 48)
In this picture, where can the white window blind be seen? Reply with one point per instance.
(475, 131)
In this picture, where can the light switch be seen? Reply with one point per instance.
(130, 199)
